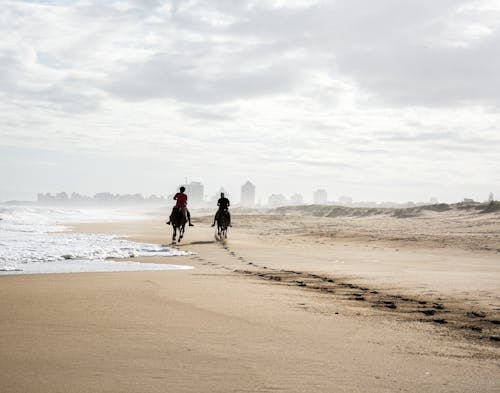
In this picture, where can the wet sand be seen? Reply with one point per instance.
(289, 303)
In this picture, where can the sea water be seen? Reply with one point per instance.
(37, 240)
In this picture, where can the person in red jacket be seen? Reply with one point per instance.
(181, 203)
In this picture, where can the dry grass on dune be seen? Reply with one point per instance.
(470, 226)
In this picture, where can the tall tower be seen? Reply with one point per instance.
(320, 197)
(216, 197)
(296, 199)
(248, 194)
(195, 192)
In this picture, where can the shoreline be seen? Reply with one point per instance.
(218, 328)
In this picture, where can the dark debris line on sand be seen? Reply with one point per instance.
(471, 324)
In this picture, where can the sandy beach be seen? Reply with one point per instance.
(297, 301)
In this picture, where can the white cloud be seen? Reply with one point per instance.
(334, 91)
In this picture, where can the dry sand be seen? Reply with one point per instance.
(289, 303)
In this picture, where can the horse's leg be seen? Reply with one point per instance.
(180, 234)
(174, 233)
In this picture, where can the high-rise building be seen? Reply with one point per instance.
(276, 200)
(345, 200)
(248, 194)
(320, 197)
(296, 199)
(195, 192)
(216, 197)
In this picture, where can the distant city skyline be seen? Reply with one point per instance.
(198, 199)
(85, 183)
(199, 196)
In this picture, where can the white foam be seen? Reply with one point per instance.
(82, 266)
(31, 241)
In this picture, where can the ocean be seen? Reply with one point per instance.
(36, 240)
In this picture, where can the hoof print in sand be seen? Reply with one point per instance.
(440, 321)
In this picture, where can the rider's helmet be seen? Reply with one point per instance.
(222, 195)
(182, 189)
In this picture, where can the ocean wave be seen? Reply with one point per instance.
(35, 236)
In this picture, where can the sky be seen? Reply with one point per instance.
(382, 100)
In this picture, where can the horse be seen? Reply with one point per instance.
(178, 221)
(222, 224)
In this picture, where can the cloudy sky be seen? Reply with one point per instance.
(379, 100)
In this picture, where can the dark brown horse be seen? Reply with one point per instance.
(178, 221)
(223, 222)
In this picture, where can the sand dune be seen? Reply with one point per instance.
(340, 211)
(472, 226)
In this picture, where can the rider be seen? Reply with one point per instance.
(181, 204)
(223, 204)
